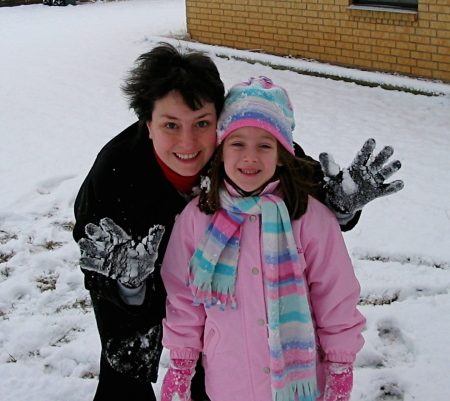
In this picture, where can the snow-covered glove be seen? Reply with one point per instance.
(349, 189)
(176, 385)
(110, 251)
(339, 381)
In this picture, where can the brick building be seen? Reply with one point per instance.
(410, 37)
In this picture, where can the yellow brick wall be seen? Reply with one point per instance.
(330, 31)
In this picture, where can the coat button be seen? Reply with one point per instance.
(266, 370)
(261, 322)
(252, 218)
(255, 271)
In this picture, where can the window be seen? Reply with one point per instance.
(409, 4)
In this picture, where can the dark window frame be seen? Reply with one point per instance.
(405, 4)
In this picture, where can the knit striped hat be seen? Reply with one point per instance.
(258, 103)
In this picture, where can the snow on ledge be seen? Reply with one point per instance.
(382, 9)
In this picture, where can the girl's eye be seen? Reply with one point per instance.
(264, 146)
(203, 124)
(237, 144)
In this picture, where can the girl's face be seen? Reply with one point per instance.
(184, 139)
(250, 157)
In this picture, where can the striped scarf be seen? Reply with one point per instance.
(212, 277)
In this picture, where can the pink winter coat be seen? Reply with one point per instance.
(234, 343)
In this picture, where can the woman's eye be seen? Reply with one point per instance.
(203, 124)
(171, 125)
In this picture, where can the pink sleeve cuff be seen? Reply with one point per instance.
(340, 357)
(184, 353)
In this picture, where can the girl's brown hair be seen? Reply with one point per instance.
(295, 175)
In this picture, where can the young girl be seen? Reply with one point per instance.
(271, 295)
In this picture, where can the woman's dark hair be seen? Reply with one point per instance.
(164, 69)
(295, 175)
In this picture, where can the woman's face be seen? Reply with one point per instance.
(250, 157)
(184, 139)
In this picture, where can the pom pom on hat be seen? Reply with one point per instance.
(258, 103)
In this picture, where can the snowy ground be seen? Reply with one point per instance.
(60, 101)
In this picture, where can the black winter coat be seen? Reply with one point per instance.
(127, 185)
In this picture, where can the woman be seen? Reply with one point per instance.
(140, 181)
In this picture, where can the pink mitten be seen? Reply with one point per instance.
(178, 380)
(339, 381)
